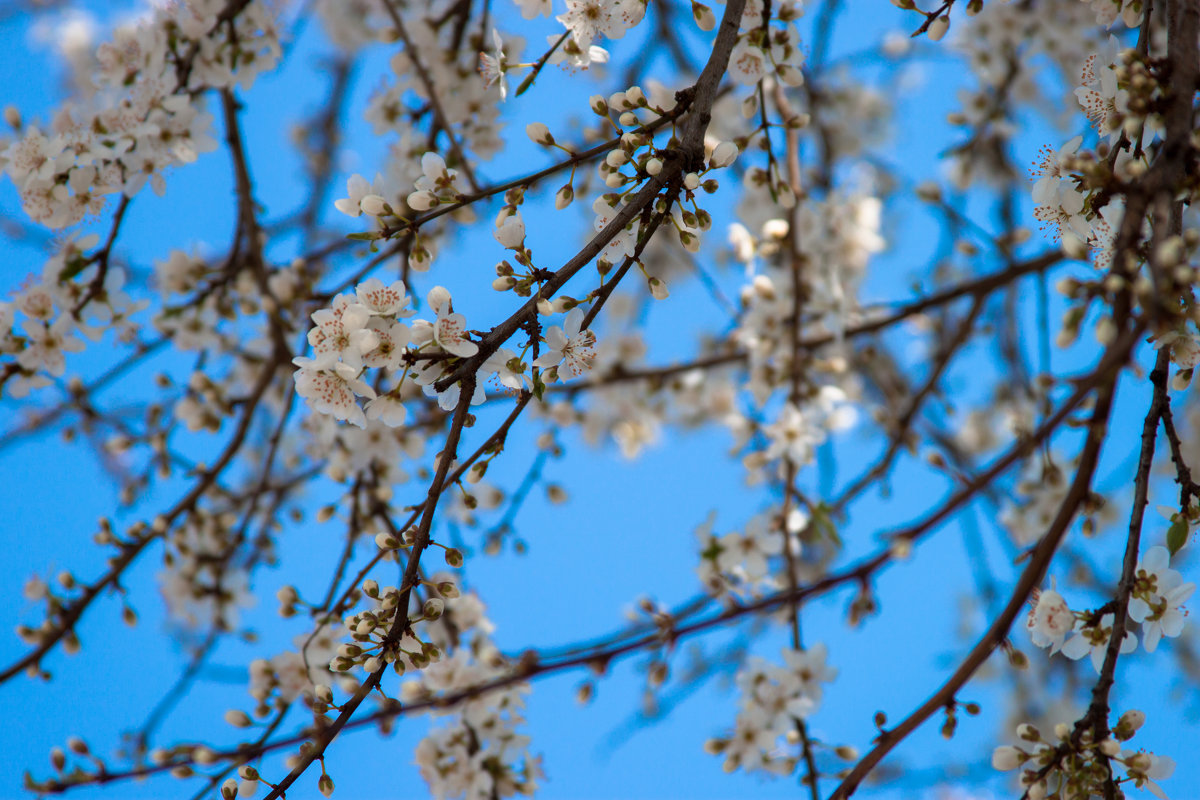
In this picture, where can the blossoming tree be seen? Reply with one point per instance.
(725, 221)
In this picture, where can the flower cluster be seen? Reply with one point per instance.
(1078, 766)
(200, 581)
(1157, 598)
(146, 119)
(737, 560)
(477, 751)
(764, 51)
(774, 697)
(1155, 602)
(303, 672)
(836, 238)
(364, 331)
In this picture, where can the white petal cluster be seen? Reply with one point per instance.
(1158, 597)
(1156, 602)
(143, 119)
(589, 20)
(1050, 620)
(44, 321)
(363, 331)
(568, 348)
(779, 55)
(1078, 763)
(837, 238)
(773, 698)
(477, 750)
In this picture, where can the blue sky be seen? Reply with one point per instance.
(626, 530)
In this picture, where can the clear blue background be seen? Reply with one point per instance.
(626, 531)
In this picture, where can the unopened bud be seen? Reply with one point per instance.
(938, 28)
(374, 205)
(539, 133)
(706, 20)
(564, 196)
(238, 719)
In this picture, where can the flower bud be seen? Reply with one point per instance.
(539, 133)
(236, 718)
(598, 105)
(229, 789)
(325, 785)
(723, 155)
(563, 197)
(511, 233)
(433, 608)
(789, 75)
(1130, 721)
(374, 205)
(1007, 758)
(938, 28)
(616, 158)
(422, 200)
(706, 20)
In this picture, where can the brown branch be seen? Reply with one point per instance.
(130, 550)
(978, 287)
(401, 624)
(1114, 358)
(626, 643)
(1097, 714)
(430, 89)
(704, 94)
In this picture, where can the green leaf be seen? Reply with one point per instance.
(75, 266)
(713, 550)
(824, 525)
(1177, 536)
